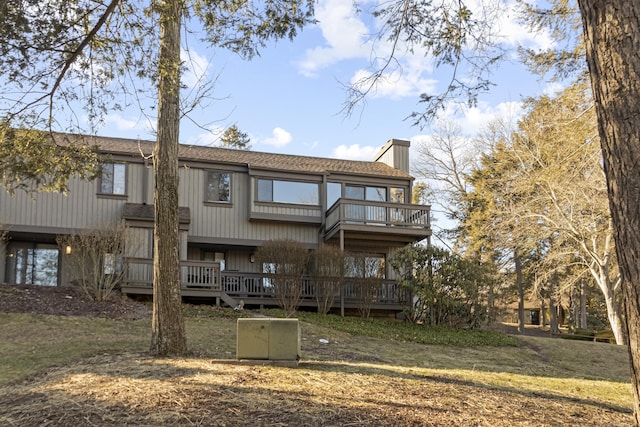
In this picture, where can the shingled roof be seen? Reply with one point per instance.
(252, 159)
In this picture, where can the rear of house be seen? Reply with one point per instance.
(231, 203)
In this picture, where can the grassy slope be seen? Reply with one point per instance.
(32, 345)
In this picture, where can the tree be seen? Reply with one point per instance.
(234, 138)
(557, 145)
(55, 53)
(611, 37)
(445, 161)
(612, 40)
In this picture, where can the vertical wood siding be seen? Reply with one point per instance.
(231, 220)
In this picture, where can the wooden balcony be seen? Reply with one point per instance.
(201, 279)
(364, 220)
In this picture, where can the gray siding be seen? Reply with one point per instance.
(230, 221)
(82, 208)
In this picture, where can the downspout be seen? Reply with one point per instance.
(145, 181)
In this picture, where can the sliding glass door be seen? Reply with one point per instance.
(32, 264)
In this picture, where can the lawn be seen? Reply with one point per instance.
(71, 371)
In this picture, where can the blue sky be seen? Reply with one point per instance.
(289, 99)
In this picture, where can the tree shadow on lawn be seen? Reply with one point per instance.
(139, 390)
(450, 380)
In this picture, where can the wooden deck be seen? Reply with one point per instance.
(204, 280)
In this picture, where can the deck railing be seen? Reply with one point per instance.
(206, 277)
(193, 274)
(366, 212)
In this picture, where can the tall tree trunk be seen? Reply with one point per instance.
(553, 308)
(167, 330)
(583, 305)
(612, 39)
(613, 307)
(520, 283)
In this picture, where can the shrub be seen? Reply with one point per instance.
(326, 268)
(284, 263)
(445, 286)
(95, 259)
(365, 274)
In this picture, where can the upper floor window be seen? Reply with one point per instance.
(113, 178)
(397, 194)
(294, 192)
(334, 191)
(218, 187)
(358, 192)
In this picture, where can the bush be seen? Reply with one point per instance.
(326, 268)
(95, 259)
(365, 274)
(445, 286)
(284, 263)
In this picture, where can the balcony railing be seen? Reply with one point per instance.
(365, 212)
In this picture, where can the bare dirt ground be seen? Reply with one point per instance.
(67, 301)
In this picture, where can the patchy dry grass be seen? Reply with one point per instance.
(80, 371)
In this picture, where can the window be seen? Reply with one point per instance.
(33, 264)
(378, 194)
(294, 192)
(353, 192)
(334, 192)
(218, 187)
(375, 213)
(112, 264)
(113, 178)
(397, 194)
(365, 266)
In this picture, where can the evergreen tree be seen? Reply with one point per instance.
(56, 53)
(234, 138)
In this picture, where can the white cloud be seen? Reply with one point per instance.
(210, 138)
(472, 120)
(279, 139)
(197, 67)
(514, 33)
(355, 152)
(344, 33)
(124, 124)
(554, 88)
(347, 36)
(396, 84)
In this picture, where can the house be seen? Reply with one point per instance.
(231, 202)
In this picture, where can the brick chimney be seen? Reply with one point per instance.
(395, 153)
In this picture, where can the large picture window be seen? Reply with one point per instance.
(218, 187)
(294, 192)
(113, 178)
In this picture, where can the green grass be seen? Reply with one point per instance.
(406, 332)
(30, 343)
